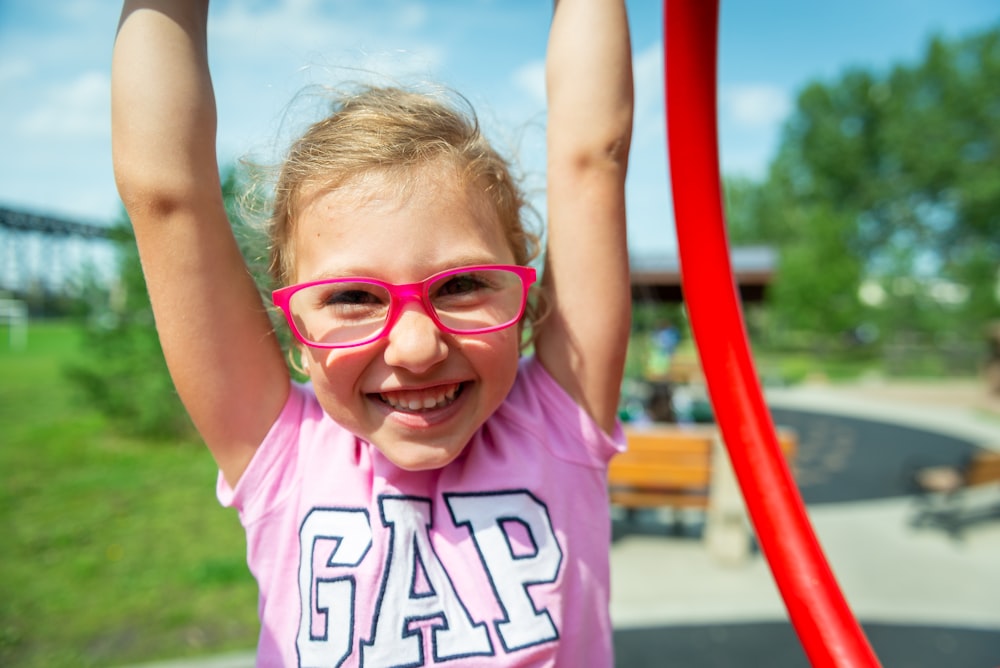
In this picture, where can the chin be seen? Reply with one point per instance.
(420, 457)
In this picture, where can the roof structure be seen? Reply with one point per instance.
(24, 221)
(657, 277)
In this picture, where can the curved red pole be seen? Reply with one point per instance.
(823, 621)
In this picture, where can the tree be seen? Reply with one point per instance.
(123, 372)
(887, 180)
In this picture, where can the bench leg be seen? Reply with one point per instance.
(727, 534)
(940, 511)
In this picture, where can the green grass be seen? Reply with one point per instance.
(114, 550)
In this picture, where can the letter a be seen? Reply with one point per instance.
(511, 574)
(393, 643)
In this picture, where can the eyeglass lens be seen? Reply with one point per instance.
(351, 311)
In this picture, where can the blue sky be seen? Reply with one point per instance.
(55, 55)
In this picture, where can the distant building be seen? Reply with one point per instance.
(657, 277)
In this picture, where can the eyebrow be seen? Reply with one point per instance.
(453, 263)
(468, 260)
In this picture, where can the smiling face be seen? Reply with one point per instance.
(418, 394)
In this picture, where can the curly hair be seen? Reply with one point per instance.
(386, 129)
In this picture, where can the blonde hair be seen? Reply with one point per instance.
(387, 129)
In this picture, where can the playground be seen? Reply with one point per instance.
(840, 525)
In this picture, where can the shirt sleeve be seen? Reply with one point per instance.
(264, 483)
(572, 434)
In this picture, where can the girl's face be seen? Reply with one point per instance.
(371, 228)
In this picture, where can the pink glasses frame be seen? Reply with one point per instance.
(399, 295)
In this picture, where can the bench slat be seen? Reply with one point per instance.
(634, 499)
(662, 475)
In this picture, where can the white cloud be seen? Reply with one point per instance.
(73, 11)
(750, 118)
(648, 81)
(78, 110)
(305, 31)
(15, 70)
(280, 27)
(754, 105)
(412, 16)
(649, 106)
(530, 78)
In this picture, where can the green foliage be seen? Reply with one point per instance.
(887, 180)
(647, 316)
(123, 373)
(114, 553)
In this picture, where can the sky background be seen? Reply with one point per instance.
(268, 57)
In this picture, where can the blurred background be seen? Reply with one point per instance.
(860, 144)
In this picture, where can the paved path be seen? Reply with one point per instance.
(925, 600)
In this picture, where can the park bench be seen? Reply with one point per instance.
(947, 494)
(671, 466)
(686, 467)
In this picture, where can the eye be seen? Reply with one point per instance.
(460, 284)
(349, 299)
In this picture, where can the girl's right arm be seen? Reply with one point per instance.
(215, 332)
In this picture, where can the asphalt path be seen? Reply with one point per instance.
(840, 459)
(775, 645)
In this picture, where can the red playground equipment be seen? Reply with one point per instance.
(826, 627)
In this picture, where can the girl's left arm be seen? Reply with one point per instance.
(582, 342)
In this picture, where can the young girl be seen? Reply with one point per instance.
(429, 496)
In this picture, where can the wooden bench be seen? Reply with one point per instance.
(668, 465)
(663, 466)
(686, 467)
(944, 492)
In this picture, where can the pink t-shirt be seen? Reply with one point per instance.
(498, 559)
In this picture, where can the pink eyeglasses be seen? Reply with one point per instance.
(348, 312)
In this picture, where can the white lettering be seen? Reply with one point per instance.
(350, 530)
(403, 602)
(491, 517)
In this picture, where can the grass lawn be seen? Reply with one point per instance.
(114, 550)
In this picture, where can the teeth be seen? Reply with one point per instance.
(417, 401)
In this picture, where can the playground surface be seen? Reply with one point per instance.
(925, 598)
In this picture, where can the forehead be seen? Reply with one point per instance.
(397, 222)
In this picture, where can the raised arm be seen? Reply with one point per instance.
(590, 100)
(216, 336)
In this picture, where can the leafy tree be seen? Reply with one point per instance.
(123, 372)
(887, 179)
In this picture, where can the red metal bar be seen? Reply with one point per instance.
(828, 631)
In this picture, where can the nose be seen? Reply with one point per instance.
(415, 342)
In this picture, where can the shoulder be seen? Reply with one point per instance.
(298, 436)
(538, 407)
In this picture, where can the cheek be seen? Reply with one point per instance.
(496, 357)
(335, 377)
(337, 372)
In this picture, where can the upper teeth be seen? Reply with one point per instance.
(414, 401)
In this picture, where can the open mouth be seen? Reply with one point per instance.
(419, 401)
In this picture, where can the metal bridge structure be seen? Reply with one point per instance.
(41, 252)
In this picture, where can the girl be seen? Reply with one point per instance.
(429, 495)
